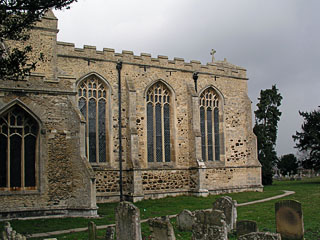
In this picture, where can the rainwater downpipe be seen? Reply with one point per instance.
(119, 67)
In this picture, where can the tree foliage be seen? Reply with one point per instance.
(288, 164)
(266, 126)
(308, 140)
(17, 17)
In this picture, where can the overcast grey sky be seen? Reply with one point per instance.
(277, 41)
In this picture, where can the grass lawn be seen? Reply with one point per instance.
(307, 192)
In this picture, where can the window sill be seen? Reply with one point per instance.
(18, 191)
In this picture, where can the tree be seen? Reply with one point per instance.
(266, 126)
(17, 17)
(288, 164)
(308, 140)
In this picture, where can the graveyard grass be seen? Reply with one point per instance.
(307, 192)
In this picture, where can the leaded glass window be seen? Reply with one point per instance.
(158, 123)
(209, 125)
(92, 102)
(18, 144)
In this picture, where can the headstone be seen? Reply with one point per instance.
(161, 229)
(185, 220)
(110, 233)
(260, 236)
(289, 219)
(92, 230)
(128, 221)
(10, 234)
(245, 227)
(209, 225)
(228, 206)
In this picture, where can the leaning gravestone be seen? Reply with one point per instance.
(128, 222)
(260, 236)
(185, 220)
(245, 227)
(161, 229)
(289, 219)
(209, 225)
(228, 206)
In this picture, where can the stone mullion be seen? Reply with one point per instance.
(154, 131)
(213, 134)
(8, 154)
(206, 132)
(22, 158)
(87, 122)
(97, 127)
(162, 131)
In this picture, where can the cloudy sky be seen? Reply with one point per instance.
(276, 41)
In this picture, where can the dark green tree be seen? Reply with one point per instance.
(17, 17)
(288, 164)
(266, 126)
(308, 140)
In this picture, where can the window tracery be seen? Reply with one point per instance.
(209, 125)
(92, 102)
(18, 145)
(158, 123)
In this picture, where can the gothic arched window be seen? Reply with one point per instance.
(209, 125)
(18, 150)
(92, 102)
(158, 123)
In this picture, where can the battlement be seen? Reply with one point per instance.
(68, 50)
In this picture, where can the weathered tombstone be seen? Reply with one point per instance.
(245, 227)
(10, 234)
(228, 206)
(161, 229)
(209, 225)
(110, 233)
(289, 219)
(92, 230)
(185, 220)
(260, 236)
(128, 221)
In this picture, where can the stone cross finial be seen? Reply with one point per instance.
(212, 53)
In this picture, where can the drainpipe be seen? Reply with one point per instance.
(119, 67)
(195, 78)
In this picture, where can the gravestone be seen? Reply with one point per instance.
(228, 206)
(10, 234)
(92, 230)
(185, 220)
(245, 227)
(209, 225)
(110, 233)
(260, 236)
(289, 219)
(127, 221)
(161, 229)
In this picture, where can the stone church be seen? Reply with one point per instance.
(186, 129)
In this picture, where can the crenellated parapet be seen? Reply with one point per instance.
(90, 53)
